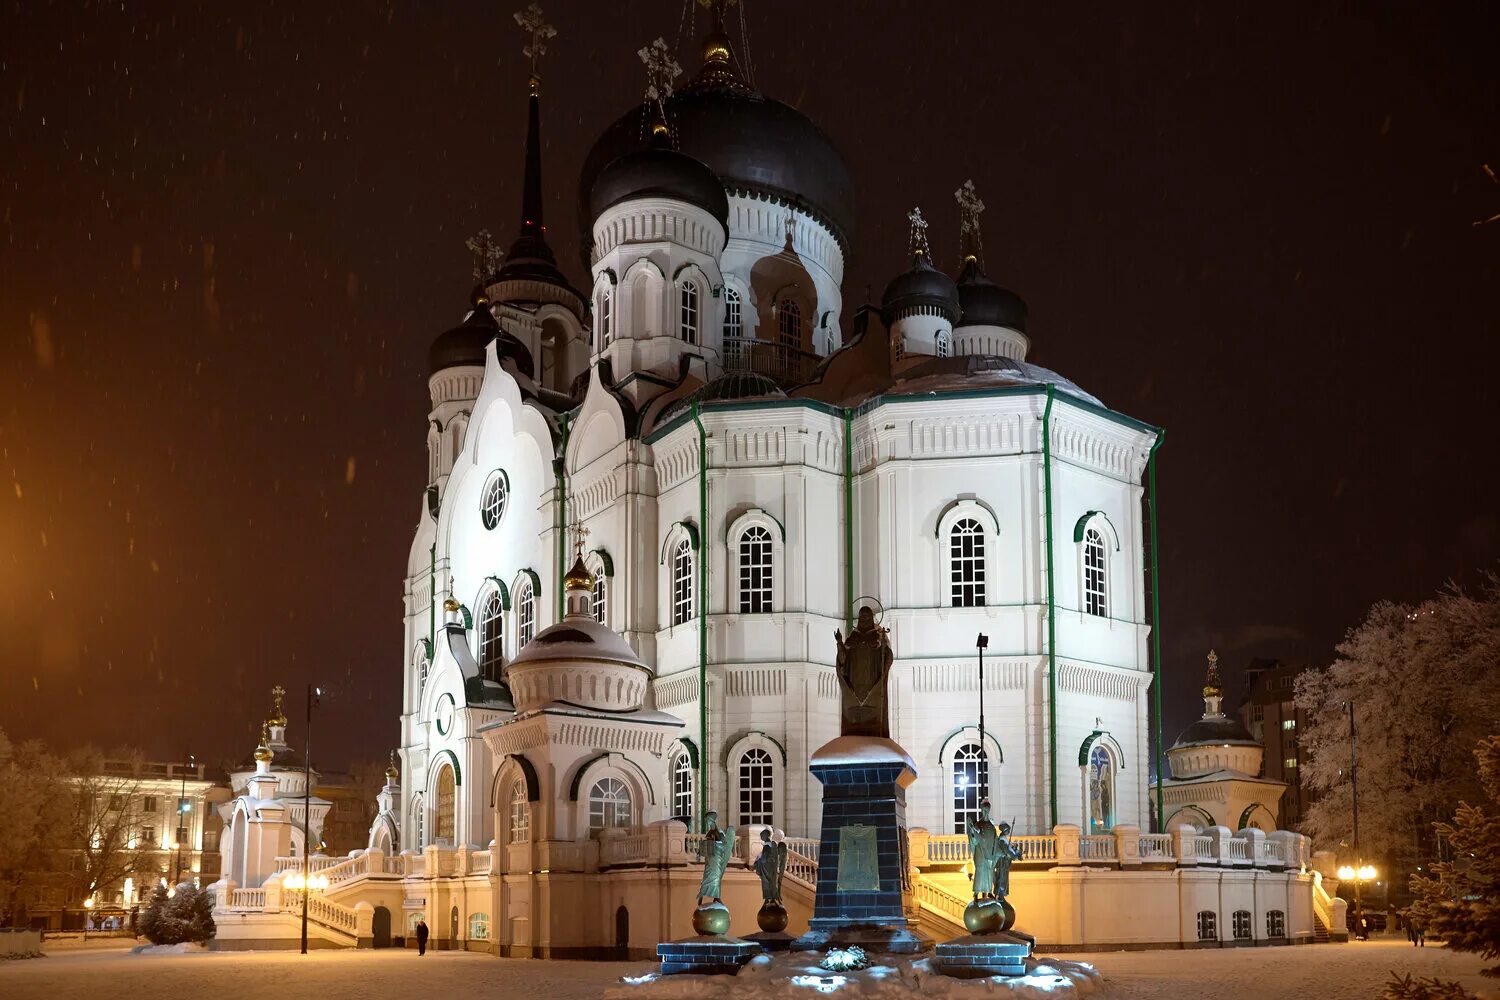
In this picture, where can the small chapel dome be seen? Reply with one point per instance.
(922, 288)
(1215, 742)
(659, 171)
(465, 344)
(985, 303)
(731, 385)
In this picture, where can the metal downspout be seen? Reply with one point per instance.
(1051, 604)
(560, 471)
(848, 519)
(702, 614)
(432, 603)
(1157, 827)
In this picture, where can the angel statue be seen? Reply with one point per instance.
(717, 849)
(771, 866)
(993, 853)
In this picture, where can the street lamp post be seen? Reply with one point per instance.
(1359, 861)
(313, 694)
(182, 809)
(982, 643)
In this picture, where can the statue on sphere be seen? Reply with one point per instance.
(771, 866)
(717, 849)
(993, 853)
(864, 664)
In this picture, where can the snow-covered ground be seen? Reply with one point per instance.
(1328, 972)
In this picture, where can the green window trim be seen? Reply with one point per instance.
(458, 773)
(690, 529)
(1082, 526)
(528, 774)
(605, 560)
(1095, 737)
(504, 591)
(691, 749)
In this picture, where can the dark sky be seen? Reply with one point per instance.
(231, 230)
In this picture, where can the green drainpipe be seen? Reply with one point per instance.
(848, 520)
(432, 604)
(561, 472)
(1051, 603)
(1155, 620)
(702, 614)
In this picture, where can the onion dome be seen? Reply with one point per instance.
(659, 171)
(1215, 728)
(465, 344)
(263, 751)
(756, 146)
(985, 303)
(391, 771)
(729, 386)
(923, 288)
(578, 661)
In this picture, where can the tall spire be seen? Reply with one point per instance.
(529, 255)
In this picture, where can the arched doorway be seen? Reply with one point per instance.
(622, 933)
(453, 927)
(380, 928)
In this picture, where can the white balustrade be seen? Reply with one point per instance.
(1096, 848)
(1035, 847)
(1157, 847)
(247, 899)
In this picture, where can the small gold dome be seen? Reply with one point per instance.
(391, 772)
(578, 578)
(263, 752)
(451, 604)
(716, 48)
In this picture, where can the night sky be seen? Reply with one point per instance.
(231, 230)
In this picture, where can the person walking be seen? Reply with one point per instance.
(421, 937)
(1419, 932)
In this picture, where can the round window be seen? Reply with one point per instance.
(496, 495)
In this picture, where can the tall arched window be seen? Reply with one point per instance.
(757, 791)
(609, 805)
(682, 583)
(1095, 590)
(1101, 776)
(446, 821)
(520, 814)
(789, 323)
(971, 775)
(756, 567)
(491, 636)
(606, 318)
(525, 614)
(682, 788)
(688, 317)
(966, 555)
(734, 325)
(419, 821)
(599, 602)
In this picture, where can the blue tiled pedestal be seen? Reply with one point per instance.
(864, 783)
(708, 954)
(978, 956)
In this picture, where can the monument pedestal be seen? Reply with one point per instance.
(862, 852)
(706, 955)
(978, 956)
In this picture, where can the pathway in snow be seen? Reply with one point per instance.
(1328, 972)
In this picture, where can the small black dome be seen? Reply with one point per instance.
(985, 303)
(661, 171)
(731, 385)
(1215, 730)
(923, 285)
(465, 343)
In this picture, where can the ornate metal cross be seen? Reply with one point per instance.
(580, 532)
(487, 254)
(661, 70)
(917, 244)
(277, 693)
(969, 210)
(538, 31)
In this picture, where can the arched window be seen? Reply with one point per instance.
(606, 318)
(966, 555)
(941, 344)
(1240, 924)
(733, 323)
(599, 602)
(491, 636)
(520, 814)
(757, 787)
(900, 347)
(525, 614)
(423, 665)
(688, 315)
(682, 583)
(1095, 591)
(446, 821)
(789, 323)
(971, 775)
(496, 496)
(609, 805)
(756, 566)
(419, 821)
(1101, 776)
(682, 788)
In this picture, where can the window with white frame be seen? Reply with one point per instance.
(1275, 923)
(682, 583)
(520, 814)
(609, 805)
(682, 788)
(733, 323)
(479, 927)
(756, 566)
(419, 821)
(1208, 925)
(971, 774)
(496, 496)
(606, 318)
(688, 315)
(941, 344)
(1240, 925)
(1101, 777)
(525, 614)
(899, 347)
(789, 323)
(491, 636)
(599, 602)
(757, 787)
(1095, 591)
(966, 563)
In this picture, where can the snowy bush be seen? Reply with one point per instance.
(1407, 988)
(186, 915)
(845, 959)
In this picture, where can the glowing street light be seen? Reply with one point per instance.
(1364, 873)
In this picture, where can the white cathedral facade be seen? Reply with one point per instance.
(656, 493)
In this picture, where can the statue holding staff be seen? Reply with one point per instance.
(993, 854)
(717, 849)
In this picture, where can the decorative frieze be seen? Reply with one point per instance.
(1102, 682)
(963, 675)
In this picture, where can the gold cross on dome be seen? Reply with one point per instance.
(277, 693)
(661, 69)
(580, 532)
(917, 245)
(538, 31)
(969, 210)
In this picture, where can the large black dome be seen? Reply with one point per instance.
(923, 285)
(662, 171)
(465, 343)
(755, 145)
(986, 303)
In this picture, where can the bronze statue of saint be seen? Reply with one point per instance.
(717, 849)
(771, 866)
(993, 853)
(864, 663)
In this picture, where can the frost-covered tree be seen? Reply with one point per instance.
(35, 805)
(1421, 682)
(186, 914)
(107, 833)
(1460, 901)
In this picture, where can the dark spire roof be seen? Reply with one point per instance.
(529, 256)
